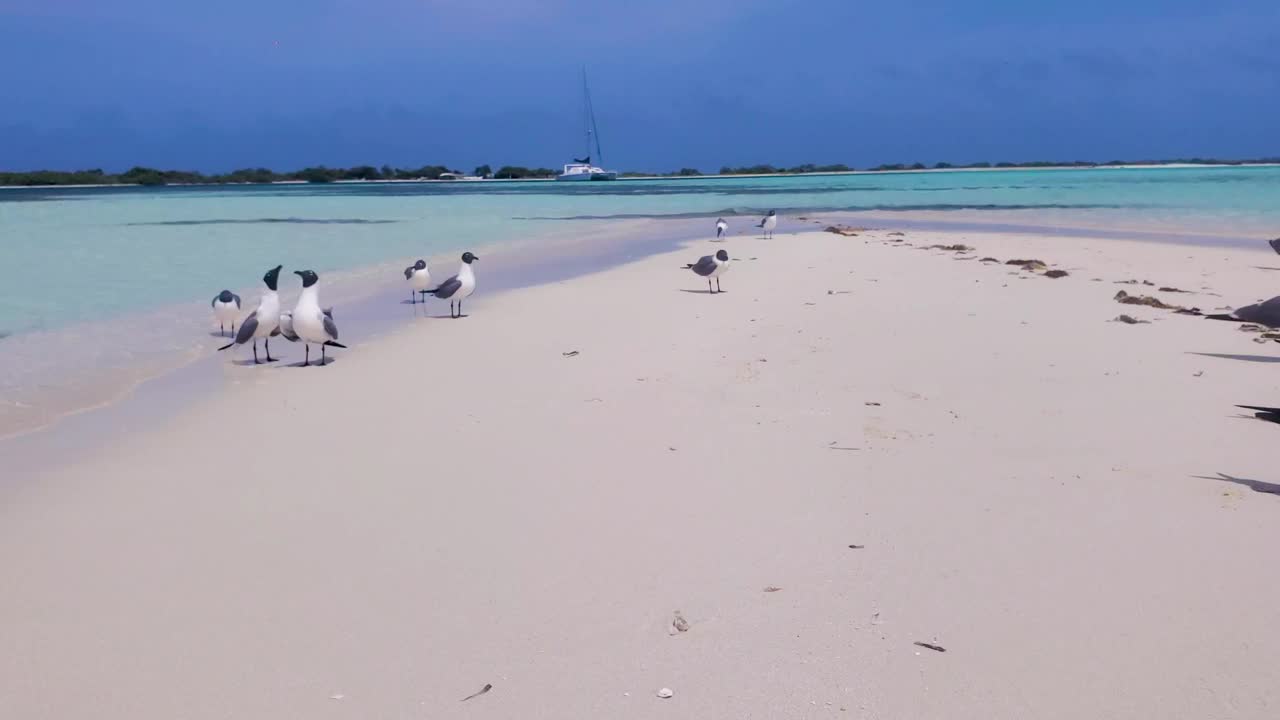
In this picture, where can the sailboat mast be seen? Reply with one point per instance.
(591, 118)
(586, 111)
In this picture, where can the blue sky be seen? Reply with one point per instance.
(287, 83)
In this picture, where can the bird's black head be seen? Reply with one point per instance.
(309, 277)
(225, 296)
(722, 256)
(420, 265)
(468, 258)
(772, 213)
(272, 277)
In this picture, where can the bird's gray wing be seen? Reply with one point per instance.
(1264, 313)
(705, 265)
(448, 288)
(236, 298)
(330, 328)
(328, 312)
(248, 327)
(1275, 245)
(408, 272)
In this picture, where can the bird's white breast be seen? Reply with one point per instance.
(421, 279)
(308, 320)
(268, 315)
(468, 280)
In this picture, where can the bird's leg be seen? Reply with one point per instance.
(322, 358)
(267, 343)
(713, 292)
(459, 308)
(718, 285)
(222, 330)
(255, 352)
(307, 361)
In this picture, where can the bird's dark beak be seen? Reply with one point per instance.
(474, 258)
(298, 273)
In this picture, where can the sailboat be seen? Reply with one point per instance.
(581, 169)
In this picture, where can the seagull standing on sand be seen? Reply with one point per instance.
(722, 228)
(263, 322)
(768, 223)
(459, 287)
(311, 324)
(711, 266)
(226, 310)
(419, 278)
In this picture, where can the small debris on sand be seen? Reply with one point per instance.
(487, 687)
(665, 693)
(990, 259)
(872, 403)
(1172, 289)
(1251, 327)
(1033, 265)
(678, 624)
(856, 547)
(843, 230)
(958, 247)
(897, 234)
(1127, 299)
(931, 646)
(1131, 320)
(571, 353)
(771, 588)
(1055, 273)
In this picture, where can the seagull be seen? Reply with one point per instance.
(286, 324)
(226, 310)
(263, 322)
(769, 222)
(419, 278)
(722, 228)
(711, 266)
(1263, 313)
(311, 324)
(460, 286)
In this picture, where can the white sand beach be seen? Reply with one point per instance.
(1070, 506)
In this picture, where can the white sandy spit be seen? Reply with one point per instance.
(1070, 506)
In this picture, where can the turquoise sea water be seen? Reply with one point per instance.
(74, 255)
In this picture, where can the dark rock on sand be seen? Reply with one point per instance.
(1056, 273)
(1127, 299)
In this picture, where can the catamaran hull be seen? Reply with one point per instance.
(587, 177)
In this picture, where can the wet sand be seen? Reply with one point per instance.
(1070, 506)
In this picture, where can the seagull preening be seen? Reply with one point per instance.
(459, 287)
(263, 322)
(419, 278)
(311, 324)
(1263, 313)
(711, 266)
(722, 228)
(226, 310)
(768, 223)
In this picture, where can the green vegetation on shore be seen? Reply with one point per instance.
(321, 174)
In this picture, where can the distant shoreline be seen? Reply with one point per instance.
(715, 176)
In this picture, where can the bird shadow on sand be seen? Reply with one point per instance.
(315, 362)
(702, 292)
(1261, 486)
(446, 317)
(223, 335)
(1242, 358)
(251, 363)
